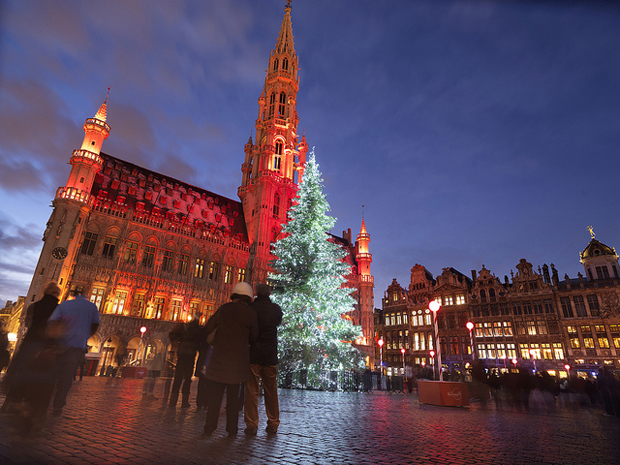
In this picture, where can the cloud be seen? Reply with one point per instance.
(22, 238)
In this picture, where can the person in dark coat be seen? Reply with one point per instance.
(236, 325)
(186, 335)
(29, 369)
(264, 363)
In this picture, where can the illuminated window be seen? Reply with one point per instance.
(228, 276)
(213, 271)
(588, 342)
(137, 307)
(159, 308)
(546, 351)
(497, 328)
(482, 351)
(119, 303)
(601, 336)
(542, 327)
(479, 332)
(414, 319)
(531, 328)
(176, 310)
(507, 328)
(488, 332)
(200, 268)
(183, 264)
(109, 246)
(168, 263)
(501, 351)
(427, 317)
(460, 300)
(399, 320)
(131, 251)
(241, 275)
(574, 343)
(88, 246)
(405, 315)
(194, 311)
(571, 329)
(149, 256)
(511, 350)
(439, 301)
(449, 300)
(96, 296)
(558, 351)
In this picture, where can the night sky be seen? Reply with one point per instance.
(474, 132)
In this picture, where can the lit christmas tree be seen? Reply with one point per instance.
(307, 284)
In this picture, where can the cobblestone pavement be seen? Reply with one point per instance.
(107, 422)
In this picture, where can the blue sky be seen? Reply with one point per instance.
(474, 132)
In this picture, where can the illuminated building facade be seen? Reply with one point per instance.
(534, 318)
(152, 251)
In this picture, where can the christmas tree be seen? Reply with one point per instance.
(307, 279)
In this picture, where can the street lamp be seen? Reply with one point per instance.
(432, 354)
(402, 351)
(567, 368)
(532, 355)
(142, 331)
(434, 307)
(470, 327)
(380, 343)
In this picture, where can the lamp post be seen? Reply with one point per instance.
(434, 307)
(532, 355)
(470, 327)
(567, 368)
(142, 331)
(380, 343)
(432, 354)
(402, 351)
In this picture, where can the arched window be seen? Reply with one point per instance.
(272, 104)
(276, 205)
(483, 295)
(275, 64)
(282, 104)
(285, 64)
(277, 159)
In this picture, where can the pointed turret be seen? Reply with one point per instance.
(367, 283)
(274, 163)
(86, 161)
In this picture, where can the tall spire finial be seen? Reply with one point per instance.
(288, 3)
(107, 95)
(591, 229)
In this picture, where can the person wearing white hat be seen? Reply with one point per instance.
(235, 325)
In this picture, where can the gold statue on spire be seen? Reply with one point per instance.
(591, 229)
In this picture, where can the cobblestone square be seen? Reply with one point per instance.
(107, 421)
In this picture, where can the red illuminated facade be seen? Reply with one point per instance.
(151, 250)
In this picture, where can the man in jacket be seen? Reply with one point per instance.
(235, 325)
(264, 363)
(186, 335)
(79, 319)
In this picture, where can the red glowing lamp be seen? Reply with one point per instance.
(380, 342)
(567, 367)
(143, 329)
(514, 361)
(402, 351)
(469, 325)
(434, 306)
(432, 353)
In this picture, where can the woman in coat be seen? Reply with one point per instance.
(236, 325)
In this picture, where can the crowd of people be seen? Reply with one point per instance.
(234, 353)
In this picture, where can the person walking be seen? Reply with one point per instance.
(73, 321)
(186, 335)
(30, 376)
(236, 325)
(263, 363)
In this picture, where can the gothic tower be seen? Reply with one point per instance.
(72, 204)
(274, 162)
(366, 285)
